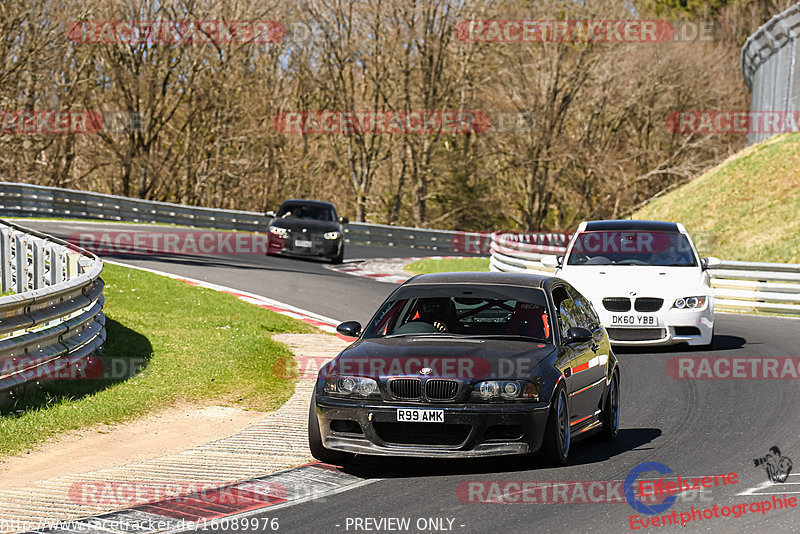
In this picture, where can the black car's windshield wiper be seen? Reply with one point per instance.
(424, 334)
(510, 336)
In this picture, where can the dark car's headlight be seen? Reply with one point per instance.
(508, 390)
(277, 230)
(331, 235)
(689, 303)
(351, 386)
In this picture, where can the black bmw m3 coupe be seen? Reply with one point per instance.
(469, 365)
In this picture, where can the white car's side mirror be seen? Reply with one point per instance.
(551, 261)
(710, 262)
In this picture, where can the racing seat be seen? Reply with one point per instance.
(529, 320)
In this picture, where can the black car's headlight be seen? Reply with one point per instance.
(689, 303)
(351, 386)
(506, 390)
(277, 230)
(331, 235)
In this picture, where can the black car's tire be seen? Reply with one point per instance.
(557, 435)
(611, 410)
(318, 450)
(339, 258)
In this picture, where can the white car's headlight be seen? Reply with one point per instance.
(277, 230)
(331, 235)
(689, 303)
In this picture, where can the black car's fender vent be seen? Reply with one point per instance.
(436, 389)
(617, 304)
(635, 334)
(422, 433)
(406, 388)
(648, 304)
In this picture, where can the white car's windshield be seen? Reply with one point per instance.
(661, 249)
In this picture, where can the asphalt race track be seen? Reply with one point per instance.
(695, 427)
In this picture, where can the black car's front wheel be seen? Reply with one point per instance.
(318, 450)
(557, 435)
(611, 410)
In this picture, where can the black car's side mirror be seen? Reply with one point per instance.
(578, 334)
(343, 220)
(270, 213)
(349, 328)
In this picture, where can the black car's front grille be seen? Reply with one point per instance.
(406, 388)
(422, 433)
(617, 304)
(648, 304)
(436, 389)
(635, 334)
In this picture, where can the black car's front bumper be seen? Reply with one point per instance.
(493, 429)
(320, 247)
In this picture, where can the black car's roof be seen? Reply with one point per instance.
(655, 226)
(308, 202)
(508, 279)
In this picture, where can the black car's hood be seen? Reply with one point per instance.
(466, 358)
(311, 225)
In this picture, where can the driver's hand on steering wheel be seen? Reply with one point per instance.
(441, 327)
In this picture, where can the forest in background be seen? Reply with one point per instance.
(196, 121)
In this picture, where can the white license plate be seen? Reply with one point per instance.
(421, 416)
(302, 243)
(634, 320)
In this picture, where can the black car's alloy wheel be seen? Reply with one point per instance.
(557, 435)
(318, 450)
(611, 410)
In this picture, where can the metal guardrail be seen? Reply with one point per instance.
(739, 286)
(27, 200)
(51, 311)
(769, 69)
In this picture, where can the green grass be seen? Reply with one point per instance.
(745, 208)
(193, 345)
(448, 265)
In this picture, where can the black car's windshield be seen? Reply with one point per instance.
(465, 313)
(306, 211)
(661, 249)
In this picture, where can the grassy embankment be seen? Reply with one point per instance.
(180, 344)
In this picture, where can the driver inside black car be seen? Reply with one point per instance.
(436, 312)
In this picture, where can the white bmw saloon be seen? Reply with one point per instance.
(645, 279)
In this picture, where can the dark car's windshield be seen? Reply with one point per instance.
(464, 313)
(662, 249)
(307, 211)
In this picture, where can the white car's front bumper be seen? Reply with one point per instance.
(692, 326)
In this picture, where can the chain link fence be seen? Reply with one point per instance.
(771, 70)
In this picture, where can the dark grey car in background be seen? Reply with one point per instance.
(309, 228)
